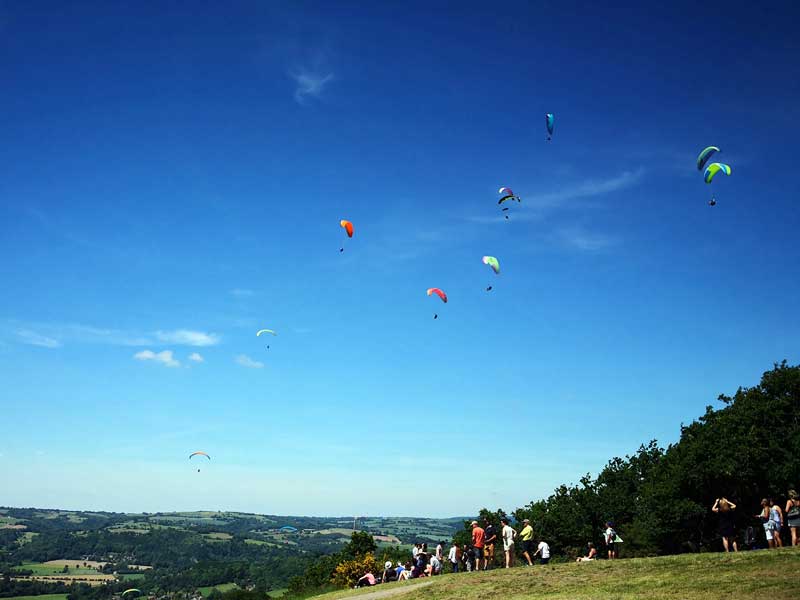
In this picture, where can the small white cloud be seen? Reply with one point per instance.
(578, 237)
(186, 337)
(242, 292)
(309, 84)
(196, 357)
(248, 362)
(164, 357)
(35, 339)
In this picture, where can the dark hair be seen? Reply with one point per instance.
(504, 520)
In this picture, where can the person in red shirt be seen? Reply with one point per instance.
(477, 542)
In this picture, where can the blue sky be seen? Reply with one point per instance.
(173, 178)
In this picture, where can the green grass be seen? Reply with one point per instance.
(42, 597)
(41, 569)
(222, 587)
(131, 576)
(771, 574)
(277, 593)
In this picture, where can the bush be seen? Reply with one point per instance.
(348, 573)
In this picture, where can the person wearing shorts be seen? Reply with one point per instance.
(769, 524)
(526, 535)
(508, 535)
(489, 540)
(478, 536)
(543, 550)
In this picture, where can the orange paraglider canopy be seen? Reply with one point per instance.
(348, 227)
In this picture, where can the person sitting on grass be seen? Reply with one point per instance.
(389, 574)
(405, 573)
(366, 580)
(592, 555)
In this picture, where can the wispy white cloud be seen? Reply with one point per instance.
(32, 338)
(585, 189)
(309, 84)
(579, 238)
(241, 292)
(187, 337)
(534, 206)
(196, 357)
(248, 362)
(164, 357)
(57, 334)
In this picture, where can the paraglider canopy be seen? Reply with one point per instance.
(131, 591)
(549, 120)
(260, 331)
(347, 226)
(200, 454)
(713, 169)
(439, 293)
(703, 157)
(492, 262)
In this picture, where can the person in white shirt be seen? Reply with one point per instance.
(544, 551)
(454, 557)
(439, 551)
(434, 566)
(508, 534)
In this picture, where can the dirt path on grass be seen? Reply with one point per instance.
(392, 591)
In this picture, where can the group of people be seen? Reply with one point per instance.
(485, 539)
(772, 517)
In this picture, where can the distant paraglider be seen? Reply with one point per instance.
(441, 295)
(507, 194)
(132, 591)
(260, 331)
(348, 227)
(492, 262)
(711, 172)
(549, 121)
(193, 454)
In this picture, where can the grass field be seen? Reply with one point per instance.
(55, 567)
(277, 593)
(771, 574)
(222, 587)
(130, 576)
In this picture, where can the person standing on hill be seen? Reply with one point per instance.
(489, 541)
(793, 516)
(725, 509)
(610, 537)
(478, 537)
(508, 535)
(440, 551)
(526, 535)
(776, 514)
(766, 520)
(454, 556)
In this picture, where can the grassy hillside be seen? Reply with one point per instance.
(746, 575)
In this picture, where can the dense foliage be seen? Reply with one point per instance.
(660, 499)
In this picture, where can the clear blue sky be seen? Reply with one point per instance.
(173, 177)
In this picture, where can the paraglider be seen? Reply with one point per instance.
(706, 154)
(441, 295)
(711, 172)
(260, 331)
(348, 227)
(505, 195)
(199, 454)
(132, 591)
(549, 120)
(492, 262)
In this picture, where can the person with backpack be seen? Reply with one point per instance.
(793, 516)
(766, 520)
